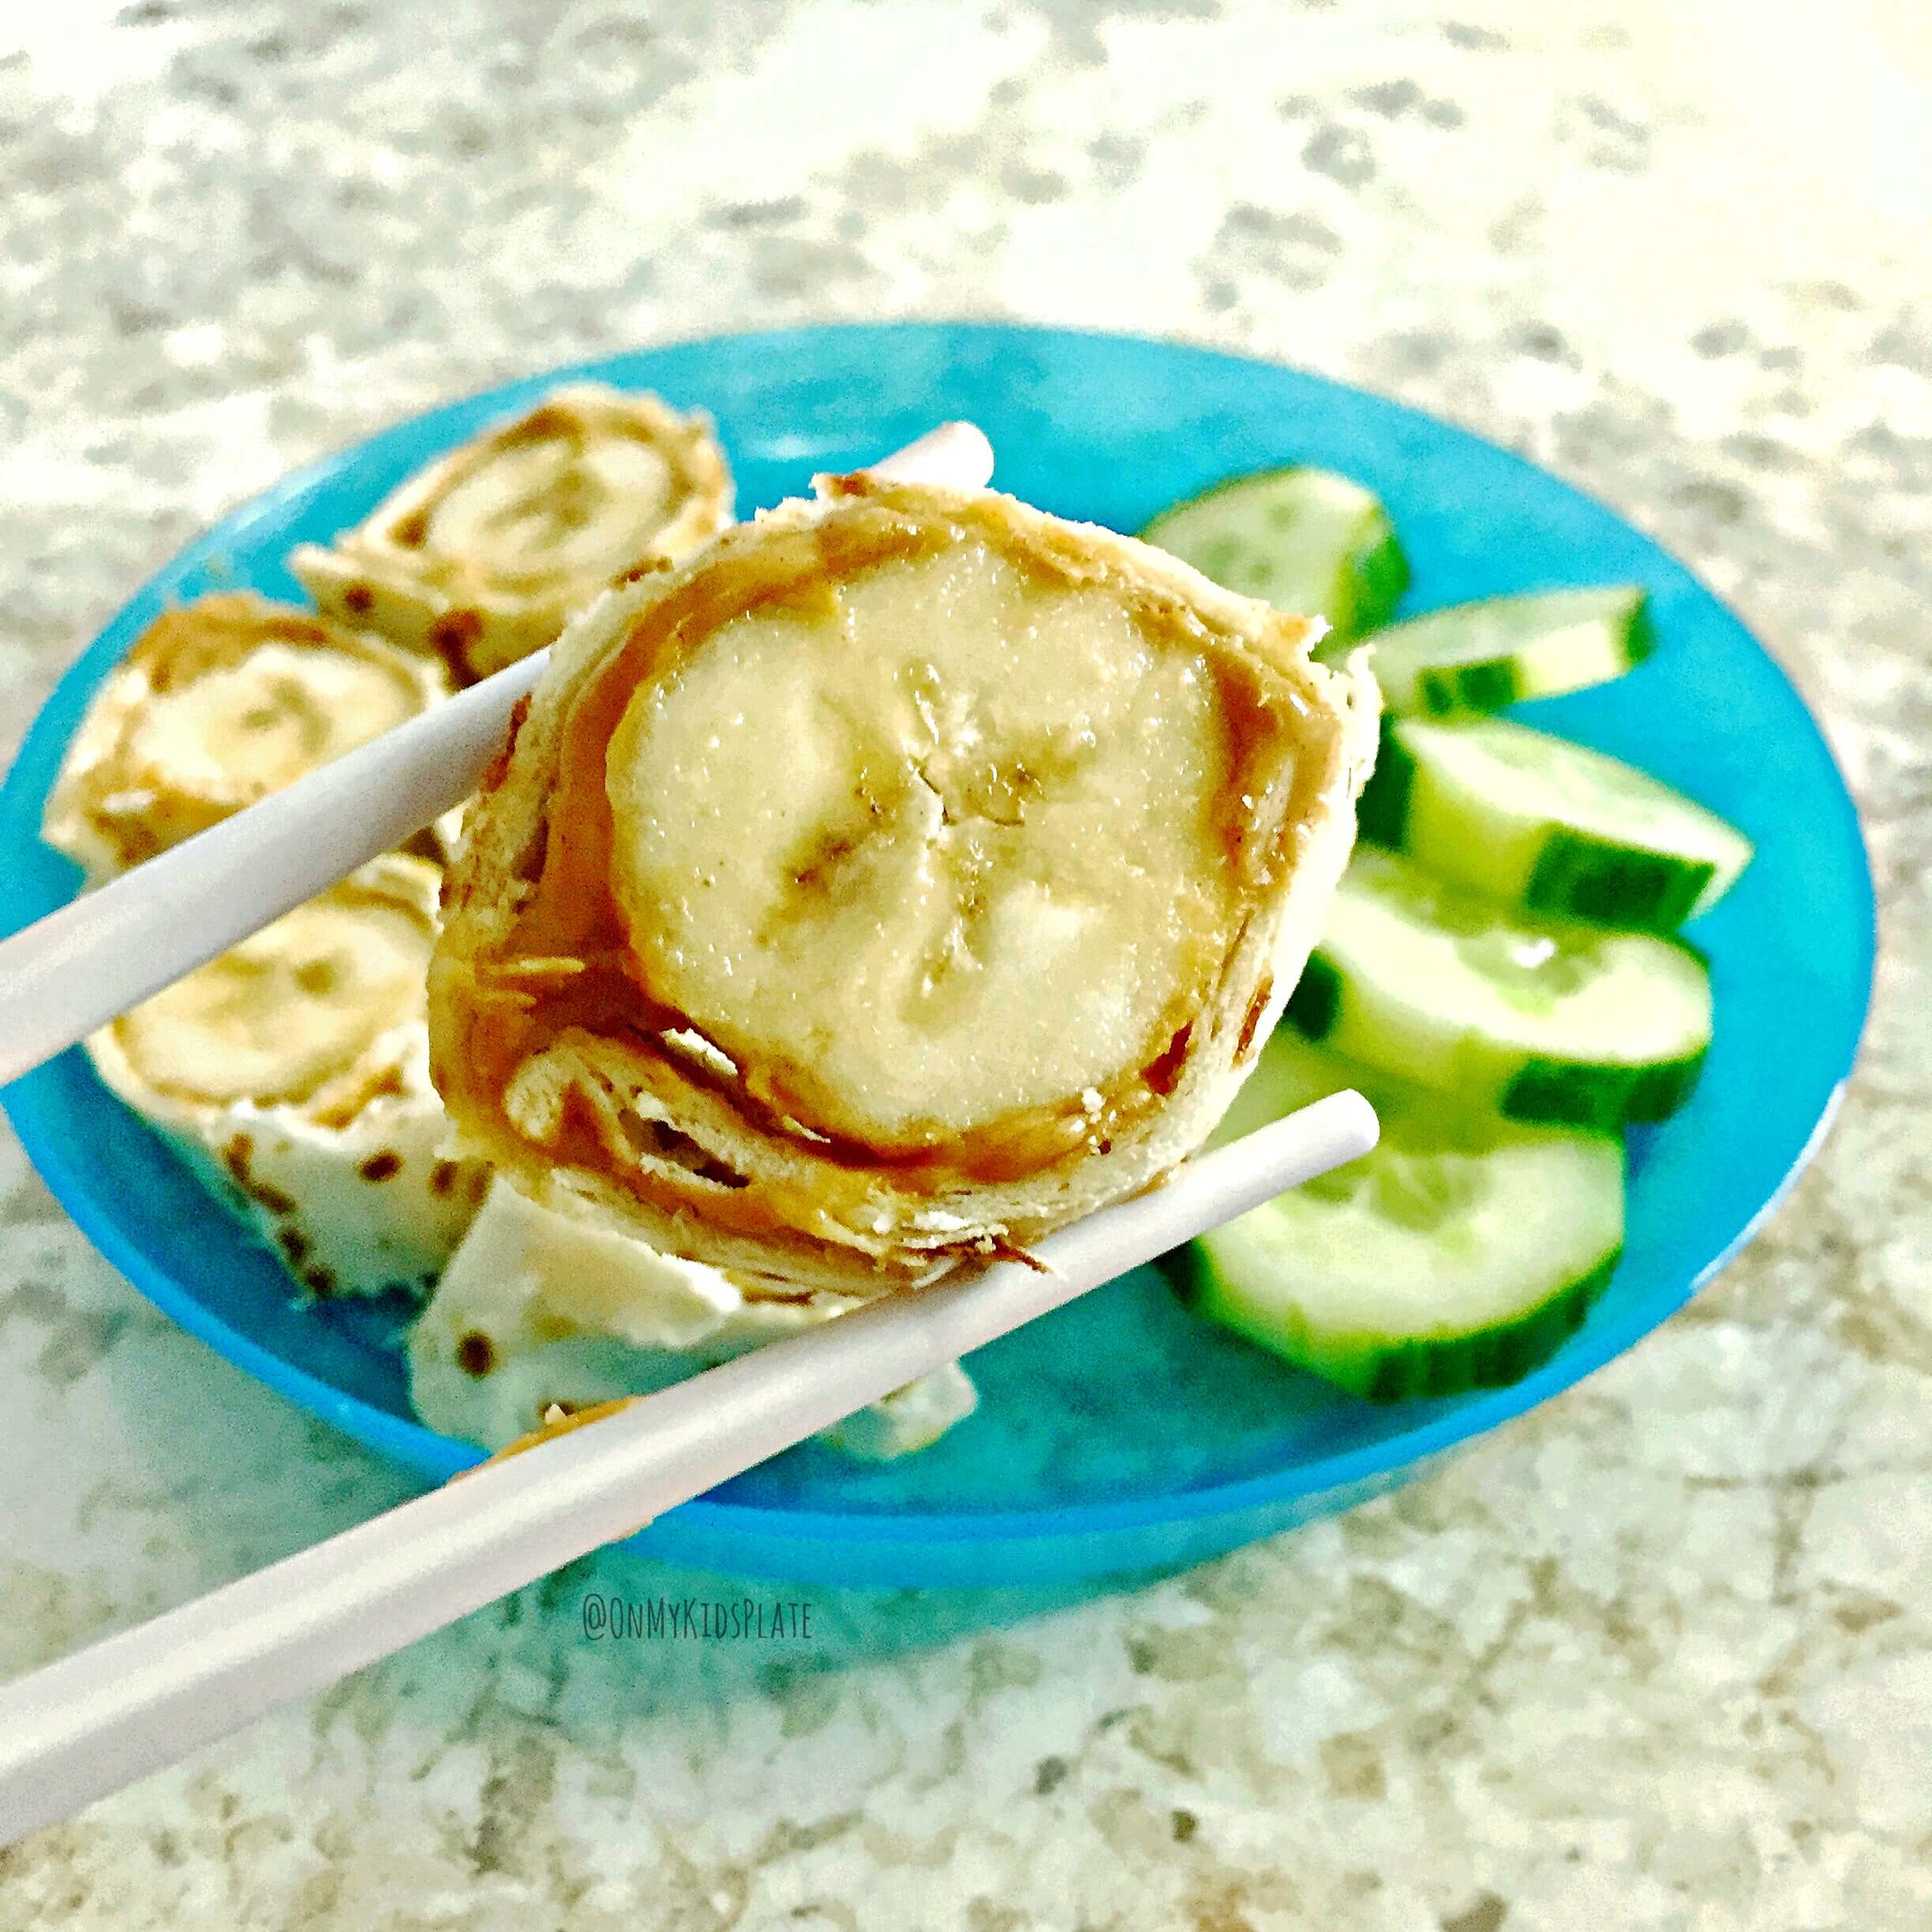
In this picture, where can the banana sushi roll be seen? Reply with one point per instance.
(220, 702)
(293, 1072)
(480, 557)
(909, 874)
(539, 1311)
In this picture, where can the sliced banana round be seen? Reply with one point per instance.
(295, 1072)
(482, 557)
(219, 703)
(539, 1310)
(908, 874)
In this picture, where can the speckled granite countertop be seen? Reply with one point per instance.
(1660, 1655)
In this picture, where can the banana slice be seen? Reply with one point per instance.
(539, 1309)
(219, 703)
(483, 556)
(908, 874)
(293, 1071)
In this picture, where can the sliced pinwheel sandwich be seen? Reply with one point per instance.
(907, 875)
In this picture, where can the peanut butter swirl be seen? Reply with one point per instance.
(907, 875)
(481, 557)
(218, 703)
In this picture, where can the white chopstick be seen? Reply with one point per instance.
(76, 968)
(95, 1721)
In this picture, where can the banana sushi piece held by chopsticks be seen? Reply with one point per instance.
(293, 1071)
(905, 876)
(482, 557)
(218, 703)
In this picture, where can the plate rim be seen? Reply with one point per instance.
(774, 1528)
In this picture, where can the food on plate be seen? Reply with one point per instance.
(903, 876)
(1459, 1254)
(1544, 1021)
(1301, 539)
(482, 557)
(899, 878)
(218, 703)
(538, 1310)
(293, 1072)
(1474, 658)
(1547, 825)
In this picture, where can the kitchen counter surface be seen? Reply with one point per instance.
(1658, 1656)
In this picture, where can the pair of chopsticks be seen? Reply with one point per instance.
(87, 1725)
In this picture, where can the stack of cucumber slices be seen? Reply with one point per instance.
(1502, 972)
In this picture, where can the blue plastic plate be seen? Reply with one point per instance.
(1121, 1435)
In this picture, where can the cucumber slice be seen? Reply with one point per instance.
(1478, 657)
(1541, 1020)
(1459, 1254)
(1304, 540)
(1547, 825)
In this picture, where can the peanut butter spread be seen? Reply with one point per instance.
(917, 840)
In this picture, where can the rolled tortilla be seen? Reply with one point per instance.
(293, 1072)
(539, 1310)
(482, 557)
(219, 703)
(908, 874)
